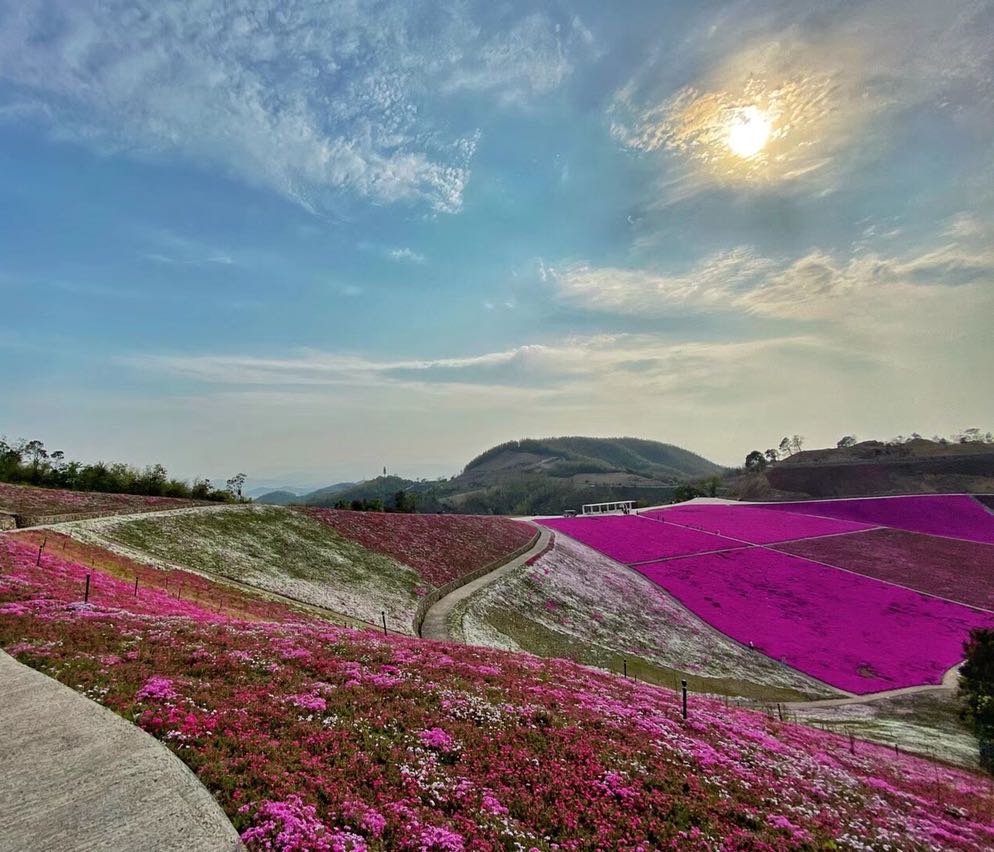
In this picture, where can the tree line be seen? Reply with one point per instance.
(31, 463)
(758, 460)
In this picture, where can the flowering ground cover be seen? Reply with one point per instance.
(38, 502)
(955, 515)
(574, 602)
(630, 538)
(756, 526)
(440, 548)
(852, 632)
(314, 737)
(70, 560)
(271, 548)
(958, 570)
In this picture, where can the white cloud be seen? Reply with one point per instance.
(303, 97)
(815, 286)
(406, 255)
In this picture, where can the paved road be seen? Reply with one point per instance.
(75, 776)
(435, 624)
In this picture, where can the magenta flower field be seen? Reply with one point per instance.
(959, 570)
(954, 515)
(630, 538)
(849, 631)
(755, 526)
(314, 737)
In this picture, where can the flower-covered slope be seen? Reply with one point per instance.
(315, 737)
(270, 548)
(441, 548)
(34, 502)
(574, 602)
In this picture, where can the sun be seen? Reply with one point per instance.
(748, 132)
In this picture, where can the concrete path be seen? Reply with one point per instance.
(75, 776)
(435, 624)
(950, 680)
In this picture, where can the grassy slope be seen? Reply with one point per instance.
(270, 548)
(578, 604)
(926, 723)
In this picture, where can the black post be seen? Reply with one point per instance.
(86, 592)
(136, 587)
(41, 547)
(780, 710)
(683, 686)
(625, 664)
(383, 615)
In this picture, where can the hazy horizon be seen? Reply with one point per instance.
(290, 237)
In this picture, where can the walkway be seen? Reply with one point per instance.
(77, 776)
(435, 624)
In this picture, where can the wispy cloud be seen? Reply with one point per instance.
(818, 285)
(302, 97)
(406, 255)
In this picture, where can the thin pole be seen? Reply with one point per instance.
(86, 592)
(625, 664)
(41, 547)
(683, 686)
(136, 587)
(383, 615)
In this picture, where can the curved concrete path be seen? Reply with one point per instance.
(75, 776)
(435, 624)
(950, 680)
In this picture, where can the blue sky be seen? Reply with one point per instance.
(306, 239)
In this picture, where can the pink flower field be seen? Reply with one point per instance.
(631, 538)
(755, 526)
(954, 515)
(440, 548)
(314, 737)
(33, 502)
(852, 632)
(959, 570)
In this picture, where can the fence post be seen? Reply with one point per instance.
(625, 665)
(683, 686)
(136, 587)
(86, 592)
(383, 615)
(41, 547)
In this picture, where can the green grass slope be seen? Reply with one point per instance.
(272, 549)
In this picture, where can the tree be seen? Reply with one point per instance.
(846, 441)
(755, 461)
(977, 691)
(235, 484)
(785, 446)
(772, 456)
(796, 443)
(403, 501)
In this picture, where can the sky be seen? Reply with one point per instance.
(306, 239)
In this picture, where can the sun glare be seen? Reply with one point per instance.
(748, 132)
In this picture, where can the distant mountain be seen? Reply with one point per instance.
(536, 476)
(322, 495)
(280, 497)
(872, 468)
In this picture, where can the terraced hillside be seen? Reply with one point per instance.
(317, 737)
(575, 603)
